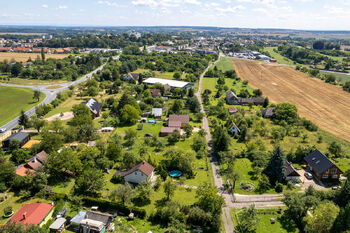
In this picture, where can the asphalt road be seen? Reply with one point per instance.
(50, 95)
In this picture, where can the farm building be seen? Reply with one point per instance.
(138, 174)
(171, 83)
(22, 137)
(94, 107)
(268, 113)
(166, 131)
(321, 166)
(232, 99)
(36, 213)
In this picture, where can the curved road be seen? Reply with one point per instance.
(50, 95)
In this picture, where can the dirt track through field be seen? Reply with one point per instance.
(326, 105)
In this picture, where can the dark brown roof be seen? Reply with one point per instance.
(42, 156)
(34, 164)
(144, 167)
(98, 216)
(180, 118)
(169, 129)
(173, 124)
(290, 170)
(268, 112)
(155, 92)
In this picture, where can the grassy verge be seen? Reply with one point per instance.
(13, 100)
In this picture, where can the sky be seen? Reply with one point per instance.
(288, 14)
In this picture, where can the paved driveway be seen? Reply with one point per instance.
(305, 183)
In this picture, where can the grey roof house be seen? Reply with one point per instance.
(95, 107)
(22, 137)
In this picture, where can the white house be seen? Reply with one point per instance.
(170, 83)
(233, 128)
(138, 174)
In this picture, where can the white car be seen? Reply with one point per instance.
(2, 130)
(308, 175)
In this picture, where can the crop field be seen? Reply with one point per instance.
(23, 57)
(326, 105)
(13, 100)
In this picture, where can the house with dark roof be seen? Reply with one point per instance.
(268, 113)
(95, 222)
(232, 99)
(95, 107)
(178, 120)
(35, 213)
(133, 76)
(138, 174)
(291, 174)
(155, 92)
(233, 128)
(22, 137)
(33, 164)
(322, 167)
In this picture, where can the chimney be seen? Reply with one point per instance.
(24, 215)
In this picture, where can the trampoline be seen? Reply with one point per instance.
(175, 173)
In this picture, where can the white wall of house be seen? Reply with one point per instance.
(234, 130)
(137, 177)
(292, 178)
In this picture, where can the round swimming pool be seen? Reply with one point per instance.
(175, 173)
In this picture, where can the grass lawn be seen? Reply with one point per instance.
(265, 226)
(23, 81)
(224, 64)
(64, 187)
(15, 99)
(280, 59)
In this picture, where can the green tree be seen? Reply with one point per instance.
(177, 75)
(143, 192)
(221, 139)
(65, 162)
(39, 182)
(177, 106)
(169, 188)
(129, 114)
(42, 54)
(13, 227)
(16, 69)
(123, 193)
(342, 223)
(51, 141)
(38, 123)
(209, 200)
(248, 220)
(275, 168)
(90, 181)
(286, 112)
(188, 129)
(335, 148)
(174, 137)
(321, 218)
(82, 115)
(36, 95)
(23, 119)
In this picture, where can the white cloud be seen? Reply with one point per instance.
(62, 7)
(194, 2)
(150, 3)
(230, 9)
(107, 3)
(45, 6)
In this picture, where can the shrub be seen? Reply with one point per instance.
(279, 188)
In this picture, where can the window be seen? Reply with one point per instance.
(335, 176)
(334, 171)
(325, 176)
(327, 171)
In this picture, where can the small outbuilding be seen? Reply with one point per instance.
(22, 137)
(58, 226)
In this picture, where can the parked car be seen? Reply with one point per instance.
(308, 175)
(2, 130)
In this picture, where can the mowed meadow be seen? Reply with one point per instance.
(23, 57)
(13, 100)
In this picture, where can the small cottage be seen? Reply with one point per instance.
(138, 174)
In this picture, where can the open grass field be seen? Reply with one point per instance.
(340, 77)
(326, 105)
(265, 226)
(23, 81)
(23, 57)
(13, 100)
(224, 64)
(280, 59)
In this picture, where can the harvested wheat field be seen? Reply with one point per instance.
(23, 57)
(326, 105)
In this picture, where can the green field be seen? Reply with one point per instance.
(342, 78)
(280, 59)
(265, 226)
(13, 100)
(224, 64)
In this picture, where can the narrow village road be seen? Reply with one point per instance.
(226, 210)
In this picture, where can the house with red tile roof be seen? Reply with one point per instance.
(35, 213)
(33, 164)
(138, 174)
